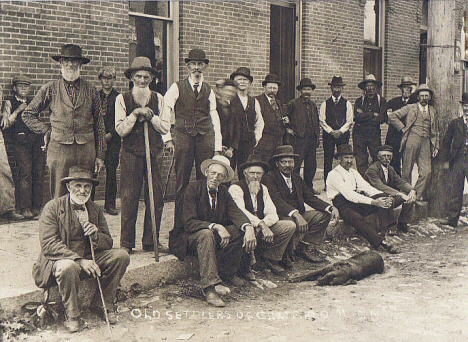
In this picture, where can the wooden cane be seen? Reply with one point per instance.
(168, 175)
(151, 191)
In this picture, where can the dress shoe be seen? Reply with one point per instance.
(72, 324)
(286, 263)
(447, 222)
(235, 281)
(403, 227)
(315, 192)
(112, 211)
(127, 249)
(212, 297)
(310, 254)
(273, 267)
(27, 214)
(248, 276)
(14, 216)
(390, 247)
(100, 313)
(222, 290)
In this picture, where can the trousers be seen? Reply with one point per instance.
(329, 144)
(365, 138)
(112, 162)
(306, 147)
(417, 150)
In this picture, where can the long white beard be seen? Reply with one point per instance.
(254, 187)
(71, 75)
(141, 95)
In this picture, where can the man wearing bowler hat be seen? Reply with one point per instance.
(393, 136)
(454, 153)
(365, 208)
(370, 111)
(289, 194)
(420, 141)
(197, 125)
(249, 116)
(336, 118)
(67, 223)
(132, 108)
(76, 135)
(273, 117)
(303, 132)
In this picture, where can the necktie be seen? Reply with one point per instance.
(195, 89)
(336, 101)
(385, 170)
(213, 194)
(424, 112)
(78, 207)
(289, 183)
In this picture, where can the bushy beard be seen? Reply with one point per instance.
(80, 200)
(254, 187)
(141, 96)
(71, 74)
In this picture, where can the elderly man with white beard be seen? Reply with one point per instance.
(76, 135)
(132, 108)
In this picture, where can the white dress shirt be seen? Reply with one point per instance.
(385, 171)
(350, 184)
(259, 123)
(323, 116)
(170, 99)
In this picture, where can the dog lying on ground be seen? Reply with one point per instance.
(345, 272)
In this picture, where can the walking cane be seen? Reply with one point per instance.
(168, 175)
(149, 179)
(100, 292)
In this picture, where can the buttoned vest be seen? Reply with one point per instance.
(248, 200)
(336, 113)
(246, 116)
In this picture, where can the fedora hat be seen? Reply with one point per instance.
(406, 81)
(343, 149)
(21, 79)
(464, 98)
(242, 71)
(71, 51)
(271, 78)
(337, 81)
(253, 160)
(79, 173)
(423, 87)
(197, 55)
(369, 78)
(284, 151)
(140, 63)
(306, 82)
(221, 160)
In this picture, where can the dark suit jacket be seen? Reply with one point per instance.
(109, 118)
(196, 213)
(273, 122)
(55, 226)
(298, 117)
(231, 126)
(454, 141)
(375, 176)
(279, 191)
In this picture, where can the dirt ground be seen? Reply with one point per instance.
(421, 296)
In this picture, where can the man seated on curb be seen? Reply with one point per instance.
(65, 226)
(215, 229)
(357, 200)
(289, 193)
(383, 177)
(253, 198)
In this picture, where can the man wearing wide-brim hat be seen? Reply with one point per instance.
(214, 229)
(454, 154)
(357, 201)
(249, 116)
(393, 137)
(132, 109)
(370, 111)
(197, 126)
(76, 134)
(303, 132)
(336, 118)
(420, 141)
(289, 193)
(274, 118)
(253, 198)
(67, 225)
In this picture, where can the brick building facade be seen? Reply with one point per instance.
(324, 38)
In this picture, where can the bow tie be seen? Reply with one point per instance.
(78, 207)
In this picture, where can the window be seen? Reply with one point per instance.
(152, 31)
(373, 22)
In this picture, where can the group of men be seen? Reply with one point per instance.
(261, 220)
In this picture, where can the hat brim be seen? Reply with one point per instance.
(362, 85)
(129, 71)
(284, 155)
(417, 91)
(337, 155)
(93, 181)
(264, 165)
(206, 60)
(206, 163)
(337, 84)
(234, 74)
(463, 102)
(313, 86)
(265, 82)
(401, 85)
(84, 60)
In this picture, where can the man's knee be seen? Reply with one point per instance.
(120, 256)
(322, 218)
(205, 238)
(66, 268)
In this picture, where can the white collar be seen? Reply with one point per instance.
(192, 82)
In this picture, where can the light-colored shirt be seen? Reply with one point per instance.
(351, 185)
(259, 123)
(170, 99)
(124, 124)
(323, 117)
(271, 217)
(385, 171)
